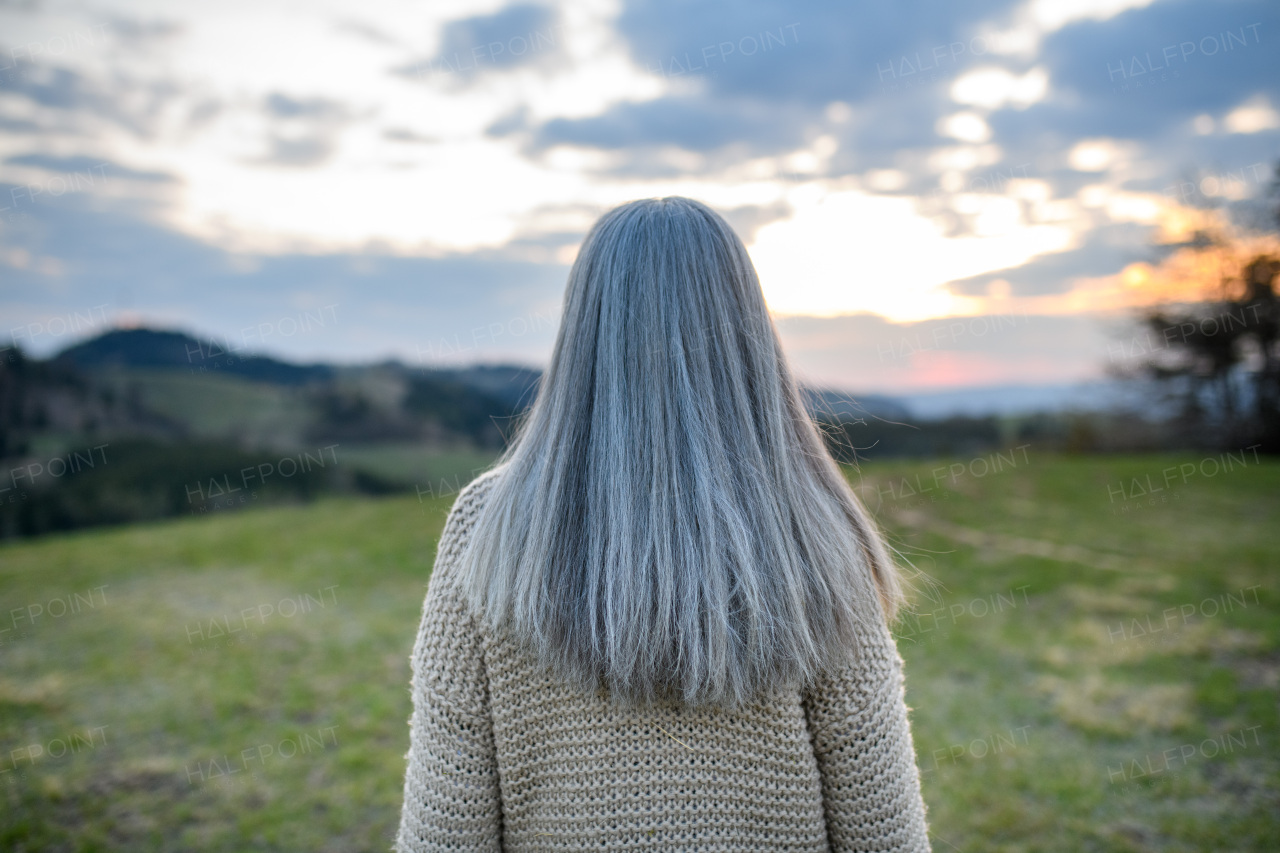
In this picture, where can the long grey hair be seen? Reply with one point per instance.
(667, 522)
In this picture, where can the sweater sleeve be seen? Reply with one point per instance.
(862, 741)
(451, 797)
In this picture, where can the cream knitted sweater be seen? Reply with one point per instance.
(503, 756)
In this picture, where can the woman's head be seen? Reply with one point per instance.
(667, 521)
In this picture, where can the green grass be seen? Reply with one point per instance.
(1028, 685)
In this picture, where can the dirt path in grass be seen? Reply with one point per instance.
(1014, 544)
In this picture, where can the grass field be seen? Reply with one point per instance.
(1090, 668)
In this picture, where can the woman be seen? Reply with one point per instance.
(660, 621)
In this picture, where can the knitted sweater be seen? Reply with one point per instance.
(504, 756)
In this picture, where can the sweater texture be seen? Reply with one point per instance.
(505, 756)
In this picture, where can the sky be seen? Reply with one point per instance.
(936, 195)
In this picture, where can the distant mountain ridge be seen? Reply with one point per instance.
(513, 385)
(163, 349)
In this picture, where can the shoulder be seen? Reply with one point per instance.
(873, 669)
(462, 517)
(448, 657)
(471, 499)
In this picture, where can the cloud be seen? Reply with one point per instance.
(88, 165)
(283, 106)
(1251, 117)
(1106, 249)
(692, 123)
(992, 87)
(18, 125)
(479, 307)
(304, 132)
(898, 74)
(1148, 70)
(520, 36)
(74, 101)
(404, 134)
(484, 306)
(512, 122)
(138, 33)
(765, 79)
(813, 53)
(366, 31)
(749, 219)
(965, 126)
(57, 88)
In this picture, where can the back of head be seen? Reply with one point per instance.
(667, 522)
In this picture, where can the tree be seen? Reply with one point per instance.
(1218, 360)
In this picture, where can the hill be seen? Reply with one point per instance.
(167, 409)
(164, 410)
(172, 350)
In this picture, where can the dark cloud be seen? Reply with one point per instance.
(749, 219)
(306, 129)
(123, 101)
(283, 106)
(404, 134)
(18, 125)
(515, 121)
(1135, 74)
(482, 306)
(515, 36)
(765, 74)
(690, 122)
(521, 35)
(88, 165)
(1145, 74)
(54, 87)
(809, 52)
(306, 151)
